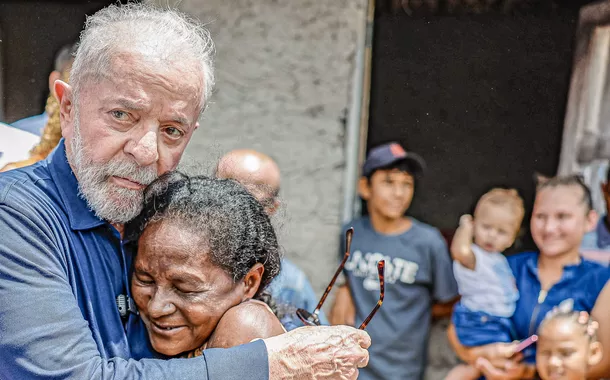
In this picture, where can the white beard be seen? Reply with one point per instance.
(110, 202)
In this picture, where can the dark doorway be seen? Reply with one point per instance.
(481, 96)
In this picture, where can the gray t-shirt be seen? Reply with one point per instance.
(418, 273)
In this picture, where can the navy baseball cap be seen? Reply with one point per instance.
(384, 155)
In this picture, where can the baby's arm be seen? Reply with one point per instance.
(243, 323)
(461, 245)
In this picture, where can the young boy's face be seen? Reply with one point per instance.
(388, 193)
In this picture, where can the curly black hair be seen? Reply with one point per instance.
(223, 213)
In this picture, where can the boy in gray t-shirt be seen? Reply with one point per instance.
(418, 267)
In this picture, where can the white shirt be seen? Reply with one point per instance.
(15, 144)
(490, 287)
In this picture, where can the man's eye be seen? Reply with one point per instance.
(173, 132)
(120, 115)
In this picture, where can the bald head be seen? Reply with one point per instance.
(256, 171)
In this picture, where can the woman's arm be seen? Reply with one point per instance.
(243, 323)
(601, 313)
(467, 354)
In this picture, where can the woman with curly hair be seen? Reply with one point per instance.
(206, 251)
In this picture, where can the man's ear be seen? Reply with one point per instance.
(63, 92)
(252, 280)
(273, 207)
(592, 219)
(364, 188)
(54, 76)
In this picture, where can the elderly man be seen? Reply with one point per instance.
(140, 80)
(261, 175)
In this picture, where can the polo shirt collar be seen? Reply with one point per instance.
(569, 271)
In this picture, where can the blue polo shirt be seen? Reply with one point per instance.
(61, 269)
(582, 283)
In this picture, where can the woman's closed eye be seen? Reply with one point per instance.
(143, 279)
(189, 290)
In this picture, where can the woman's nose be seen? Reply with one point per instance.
(160, 304)
(550, 225)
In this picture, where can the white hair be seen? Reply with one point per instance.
(115, 29)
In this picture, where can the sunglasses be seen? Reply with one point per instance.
(312, 319)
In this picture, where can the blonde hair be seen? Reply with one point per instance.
(506, 198)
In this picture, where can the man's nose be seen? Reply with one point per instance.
(145, 150)
(160, 304)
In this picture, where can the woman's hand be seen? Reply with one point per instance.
(496, 353)
(509, 369)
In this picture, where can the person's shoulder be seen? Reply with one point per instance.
(357, 223)
(32, 124)
(521, 257)
(518, 261)
(426, 231)
(596, 270)
(242, 323)
(18, 184)
(291, 270)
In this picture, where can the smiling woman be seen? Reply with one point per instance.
(206, 252)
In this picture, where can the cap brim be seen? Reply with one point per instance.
(419, 165)
(416, 164)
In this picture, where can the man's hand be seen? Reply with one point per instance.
(318, 352)
(343, 311)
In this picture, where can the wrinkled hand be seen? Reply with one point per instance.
(318, 352)
(343, 311)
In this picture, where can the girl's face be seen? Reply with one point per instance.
(180, 294)
(565, 351)
(560, 219)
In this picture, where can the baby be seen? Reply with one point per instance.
(484, 278)
(567, 344)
